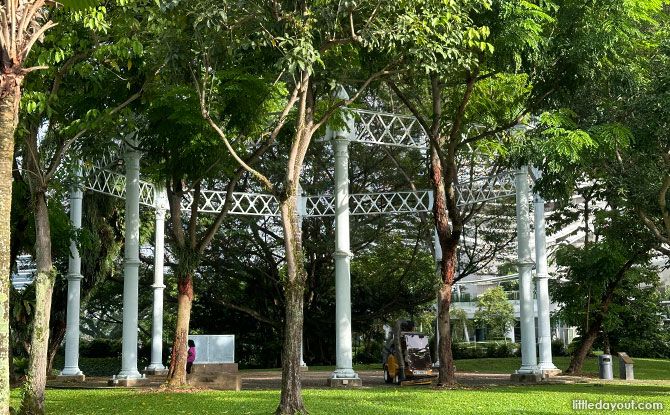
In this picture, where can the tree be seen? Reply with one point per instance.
(495, 312)
(316, 46)
(187, 156)
(598, 280)
(185, 153)
(593, 139)
(474, 63)
(53, 120)
(22, 23)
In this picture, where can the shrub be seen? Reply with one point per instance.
(558, 348)
(467, 351)
(501, 349)
(100, 348)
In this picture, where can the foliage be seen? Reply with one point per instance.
(495, 312)
(558, 348)
(632, 318)
(479, 350)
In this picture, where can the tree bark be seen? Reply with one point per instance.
(33, 396)
(294, 290)
(577, 361)
(10, 95)
(177, 371)
(55, 339)
(447, 371)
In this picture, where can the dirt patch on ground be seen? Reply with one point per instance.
(271, 379)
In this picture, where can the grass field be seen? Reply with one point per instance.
(653, 386)
(547, 399)
(658, 369)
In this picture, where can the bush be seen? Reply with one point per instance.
(20, 366)
(467, 351)
(655, 347)
(99, 366)
(100, 348)
(501, 349)
(558, 348)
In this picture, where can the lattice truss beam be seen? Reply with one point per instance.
(112, 183)
(372, 127)
(382, 128)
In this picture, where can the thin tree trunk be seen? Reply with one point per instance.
(577, 361)
(446, 374)
(177, 372)
(9, 98)
(33, 396)
(294, 290)
(55, 340)
(607, 347)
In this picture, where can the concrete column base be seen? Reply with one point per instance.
(548, 373)
(128, 383)
(80, 378)
(304, 368)
(526, 377)
(345, 383)
(153, 371)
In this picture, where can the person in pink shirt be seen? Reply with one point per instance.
(190, 358)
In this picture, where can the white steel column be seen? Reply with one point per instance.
(74, 278)
(156, 365)
(546, 365)
(131, 266)
(344, 373)
(525, 263)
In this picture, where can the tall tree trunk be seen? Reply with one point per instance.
(33, 396)
(177, 372)
(10, 94)
(446, 374)
(577, 361)
(294, 290)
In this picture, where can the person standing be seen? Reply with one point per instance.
(190, 358)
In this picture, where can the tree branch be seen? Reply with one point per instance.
(65, 145)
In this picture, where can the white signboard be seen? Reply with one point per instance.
(214, 348)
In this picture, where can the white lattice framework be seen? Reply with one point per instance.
(486, 189)
(377, 128)
(112, 183)
(252, 204)
(257, 204)
(387, 129)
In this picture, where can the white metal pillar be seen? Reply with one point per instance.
(131, 265)
(510, 334)
(525, 264)
(546, 365)
(156, 365)
(344, 372)
(74, 278)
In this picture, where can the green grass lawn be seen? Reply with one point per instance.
(546, 399)
(645, 369)
(656, 369)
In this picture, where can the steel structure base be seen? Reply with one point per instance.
(345, 383)
(526, 377)
(81, 378)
